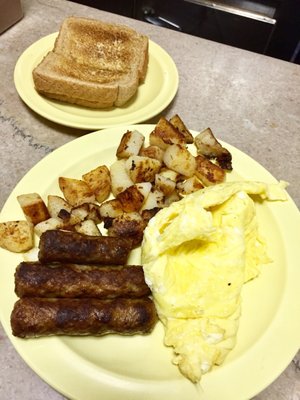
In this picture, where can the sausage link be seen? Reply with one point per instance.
(32, 317)
(34, 279)
(74, 247)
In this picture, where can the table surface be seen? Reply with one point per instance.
(249, 100)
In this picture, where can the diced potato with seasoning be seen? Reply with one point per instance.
(55, 204)
(180, 159)
(34, 208)
(88, 227)
(189, 185)
(111, 209)
(207, 172)
(168, 200)
(16, 236)
(76, 191)
(155, 199)
(98, 180)
(49, 224)
(130, 225)
(75, 216)
(208, 146)
(165, 134)
(179, 124)
(164, 184)
(120, 179)
(80, 213)
(130, 144)
(142, 169)
(131, 199)
(94, 212)
(143, 180)
(169, 173)
(144, 188)
(152, 152)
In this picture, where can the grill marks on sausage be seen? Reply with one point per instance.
(64, 246)
(32, 317)
(34, 279)
(81, 285)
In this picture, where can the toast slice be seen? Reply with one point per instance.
(93, 64)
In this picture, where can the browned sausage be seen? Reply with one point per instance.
(74, 247)
(32, 317)
(33, 279)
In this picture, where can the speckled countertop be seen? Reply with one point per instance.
(250, 101)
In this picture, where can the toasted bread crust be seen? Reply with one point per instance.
(93, 64)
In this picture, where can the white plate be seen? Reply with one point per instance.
(139, 367)
(153, 96)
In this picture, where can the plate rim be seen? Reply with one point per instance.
(41, 45)
(180, 385)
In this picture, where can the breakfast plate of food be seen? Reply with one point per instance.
(211, 237)
(125, 85)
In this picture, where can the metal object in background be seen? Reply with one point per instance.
(270, 27)
(252, 10)
(244, 24)
(149, 16)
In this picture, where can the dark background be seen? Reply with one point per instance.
(280, 39)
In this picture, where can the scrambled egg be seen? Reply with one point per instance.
(197, 254)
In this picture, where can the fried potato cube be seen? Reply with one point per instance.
(55, 204)
(164, 184)
(179, 159)
(224, 159)
(76, 191)
(131, 199)
(99, 181)
(190, 185)
(207, 172)
(169, 173)
(111, 209)
(155, 199)
(16, 236)
(144, 188)
(130, 225)
(207, 145)
(130, 144)
(120, 179)
(68, 219)
(88, 227)
(80, 213)
(34, 208)
(152, 152)
(165, 134)
(142, 169)
(179, 124)
(49, 224)
(94, 213)
(174, 196)
(75, 216)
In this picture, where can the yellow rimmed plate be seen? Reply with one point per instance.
(139, 367)
(153, 96)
